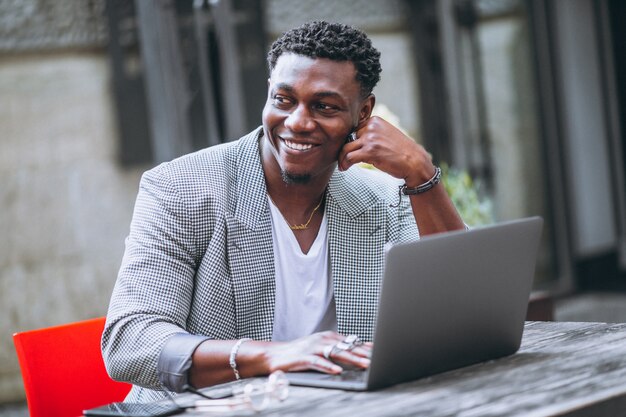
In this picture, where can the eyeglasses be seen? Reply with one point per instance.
(255, 395)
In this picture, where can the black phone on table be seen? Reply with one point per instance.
(120, 409)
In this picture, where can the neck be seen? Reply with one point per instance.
(299, 205)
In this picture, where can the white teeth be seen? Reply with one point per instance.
(297, 146)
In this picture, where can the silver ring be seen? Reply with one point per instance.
(353, 340)
(349, 343)
(328, 350)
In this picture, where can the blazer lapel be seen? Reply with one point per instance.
(356, 234)
(250, 247)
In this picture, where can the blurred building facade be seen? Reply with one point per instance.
(525, 95)
(64, 198)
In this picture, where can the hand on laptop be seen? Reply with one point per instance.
(327, 352)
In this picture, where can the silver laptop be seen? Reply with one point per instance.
(447, 301)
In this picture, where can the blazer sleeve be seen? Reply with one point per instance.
(403, 228)
(153, 292)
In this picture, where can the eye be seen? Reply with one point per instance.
(326, 108)
(281, 101)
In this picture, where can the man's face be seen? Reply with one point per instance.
(312, 106)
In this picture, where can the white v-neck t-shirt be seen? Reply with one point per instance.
(305, 301)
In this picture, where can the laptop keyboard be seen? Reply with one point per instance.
(357, 375)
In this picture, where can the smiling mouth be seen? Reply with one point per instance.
(298, 146)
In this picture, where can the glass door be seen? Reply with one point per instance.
(498, 139)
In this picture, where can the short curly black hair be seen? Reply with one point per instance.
(335, 41)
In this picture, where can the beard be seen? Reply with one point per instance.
(291, 178)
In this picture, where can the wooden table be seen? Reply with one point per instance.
(574, 369)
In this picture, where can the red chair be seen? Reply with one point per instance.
(63, 370)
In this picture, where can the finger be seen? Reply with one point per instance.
(311, 362)
(362, 351)
(351, 146)
(348, 357)
(345, 150)
(348, 157)
(317, 363)
(361, 129)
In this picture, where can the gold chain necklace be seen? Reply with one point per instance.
(302, 226)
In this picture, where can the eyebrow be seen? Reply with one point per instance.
(332, 94)
(283, 86)
(319, 94)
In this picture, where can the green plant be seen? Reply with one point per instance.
(464, 193)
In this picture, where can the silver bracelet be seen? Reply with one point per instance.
(233, 356)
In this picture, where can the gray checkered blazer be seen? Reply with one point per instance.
(199, 256)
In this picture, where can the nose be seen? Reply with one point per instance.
(300, 120)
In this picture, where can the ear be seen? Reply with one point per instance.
(367, 106)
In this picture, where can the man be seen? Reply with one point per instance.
(265, 253)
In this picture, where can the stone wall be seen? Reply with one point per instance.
(65, 203)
